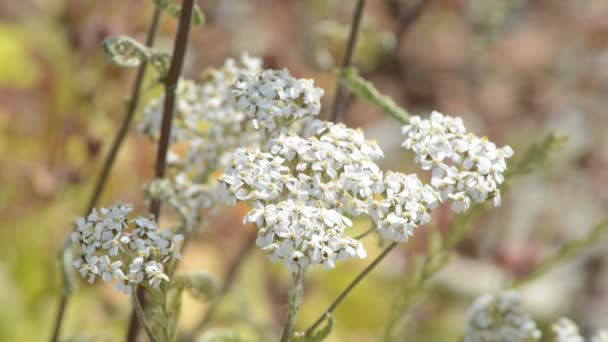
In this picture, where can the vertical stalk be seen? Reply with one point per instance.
(293, 306)
(340, 98)
(108, 163)
(175, 69)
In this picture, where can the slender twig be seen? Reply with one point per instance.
(407, 17)
(340, 97)
(109, 162)
(173, 75)
(141, 315)
(229, 277)
(365, 233)
(349, 288)
(567, 252)
(293, 306)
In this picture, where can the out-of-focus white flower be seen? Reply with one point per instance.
(208, 126)
(500, 318)
(600, 336)
(466, 169)
(106, 247)
(300, 235)
(404, 204)
(274, 98)
(566, 331)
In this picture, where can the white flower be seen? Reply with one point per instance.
(600, 336)
(208, 126)
(106, 247)
(404, 204)
(300, 235)
(274, 98)
(466, 169)
(566, 331)
(500, 318)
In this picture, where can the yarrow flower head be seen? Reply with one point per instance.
(108, 245)
(566, 331)
(404, 204)
(465, 168)
(331, 173)
(301, 235)
(273, 98)
(333, 169)
(500, 318)
(208, 126)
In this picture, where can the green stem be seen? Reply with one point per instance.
(293, 306)
(107, 167)
(349, 288)
(141, 316)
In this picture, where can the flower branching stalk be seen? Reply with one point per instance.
(327, 313)
(340, 97)
(105, 172)
(293, 306)
(173, 75)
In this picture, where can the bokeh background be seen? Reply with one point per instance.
(515, 70)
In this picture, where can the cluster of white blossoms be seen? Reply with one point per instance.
(329, 170)
(208, 126)
(301, 235)
(465, 168)
(500, 318)
(273, 98)
(565, 330)
(404, 204)
(109, 245)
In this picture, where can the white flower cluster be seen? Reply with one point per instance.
(208, 126)
(566, 331)
(466, 168)
(314, 183)
(333, 169)
(301, 235)
(107, 247)
(274, 98)
(404, 204)
(500, 318)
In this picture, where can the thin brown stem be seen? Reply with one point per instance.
(229, 278)
(350, 287)
(407, 17)
(341, 92)
(109, 161)
(173, 75)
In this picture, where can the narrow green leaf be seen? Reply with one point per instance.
(365, 90)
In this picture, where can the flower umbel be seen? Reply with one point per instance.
(500, 318)
(273, 98)
(301, 235)
(108, 245)
(466, 169)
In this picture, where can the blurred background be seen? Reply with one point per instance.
(515, 70)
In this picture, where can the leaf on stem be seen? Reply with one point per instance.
(127, 52)
(366, 91)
